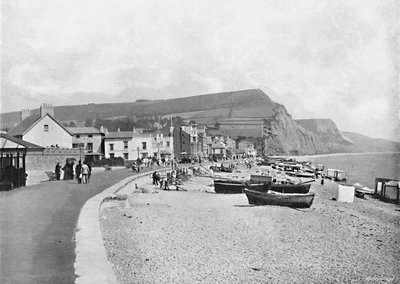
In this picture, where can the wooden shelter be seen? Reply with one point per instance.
(12, 161)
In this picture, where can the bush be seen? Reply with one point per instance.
(118, 161)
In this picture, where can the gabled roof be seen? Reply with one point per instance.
(25, 125)
(218, 144)
(83, 130)
(20, 143)
(119, 135)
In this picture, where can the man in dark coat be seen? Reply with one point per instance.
(58, 171)
(78, 169)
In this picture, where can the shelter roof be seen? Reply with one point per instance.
(16, 142)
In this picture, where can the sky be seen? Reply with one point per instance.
(334, 59)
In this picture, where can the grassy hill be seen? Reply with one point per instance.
(368, 144)
(206, 106)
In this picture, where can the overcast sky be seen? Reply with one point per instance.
(320, 59)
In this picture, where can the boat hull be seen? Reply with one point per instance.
(228, 186)
(294, 200)
(291, 188)
(232, 187)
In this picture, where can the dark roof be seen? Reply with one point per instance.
(22, 127)
(30, 121)
(119, 134)
(83, 130)
(20, 141)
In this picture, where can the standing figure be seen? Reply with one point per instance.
(78, 173)
(155, 181)
(58, 171)
(89, 164)
(85, 173)
(67, 170)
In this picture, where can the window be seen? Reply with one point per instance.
(46, 127)
(144, 145)
(126, 156)
(125, 144)
(90, 135)
(89, 147)
(111, 147)
(78, 136)
(112, 155)
(167, 143)
(74, 145)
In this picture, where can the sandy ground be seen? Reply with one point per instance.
(197, 236)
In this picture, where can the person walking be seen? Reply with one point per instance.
(89, 164)
(78, 172)
(85, 173)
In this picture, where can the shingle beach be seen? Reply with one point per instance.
(197, 236)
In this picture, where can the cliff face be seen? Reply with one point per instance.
(306, 136)
(330, 139)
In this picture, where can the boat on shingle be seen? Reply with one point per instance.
(295, 200)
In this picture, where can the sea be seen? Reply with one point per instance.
(361, 168)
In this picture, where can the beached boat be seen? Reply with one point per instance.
(260, 179)
(295, 200)
(291, 188)
(229, 186)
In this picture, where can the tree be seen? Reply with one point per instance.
(72, 124)
(88, 122)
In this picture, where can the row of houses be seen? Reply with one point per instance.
(39, 141)
(188, 140)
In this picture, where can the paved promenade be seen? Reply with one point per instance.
(38, 224)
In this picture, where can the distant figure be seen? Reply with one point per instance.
(155, 181)
(78, 173)
(85, 173)
(322, 181)
(58, 171)
(89, 164)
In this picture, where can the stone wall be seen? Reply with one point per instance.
(47, 159)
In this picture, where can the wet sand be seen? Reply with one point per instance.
(197, 236)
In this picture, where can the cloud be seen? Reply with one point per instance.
(322, 58)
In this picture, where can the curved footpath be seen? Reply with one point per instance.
(37, 225)
(91, 264)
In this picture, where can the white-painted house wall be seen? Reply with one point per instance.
(56, 134)
(135, 146)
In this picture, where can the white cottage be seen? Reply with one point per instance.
(42, 129)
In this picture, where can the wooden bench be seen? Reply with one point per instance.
(51, 175)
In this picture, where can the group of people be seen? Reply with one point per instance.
(81, 171)
(157, 180)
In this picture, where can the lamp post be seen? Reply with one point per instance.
(138, 149)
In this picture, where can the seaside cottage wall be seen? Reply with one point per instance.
(47, 132)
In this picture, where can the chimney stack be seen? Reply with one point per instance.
(24, 114)
(46, 109)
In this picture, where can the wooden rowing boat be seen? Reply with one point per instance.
(229, 186)
(296, 200)
(290, 188)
